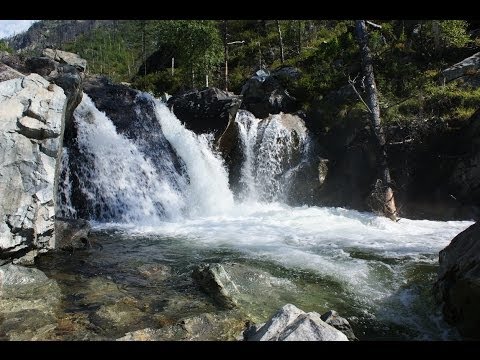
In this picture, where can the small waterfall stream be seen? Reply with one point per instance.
(273, 150)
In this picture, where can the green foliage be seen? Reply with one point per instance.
(106, 52)
(451, 101)
(198, 42)
(5, 47)
(454, 33)
(160, 82)
(408, 56)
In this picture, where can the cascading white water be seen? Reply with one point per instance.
(208, 191)
(126, 186)
(248, 125)
(64, 193)
(272, 152)
(123, 181)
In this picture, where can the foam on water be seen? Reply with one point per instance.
(369, 256)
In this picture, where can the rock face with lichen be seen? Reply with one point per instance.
(32, 118)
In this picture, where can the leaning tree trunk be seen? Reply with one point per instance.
(384, 191)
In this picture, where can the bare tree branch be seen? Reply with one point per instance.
(352, 83)
(376, 26)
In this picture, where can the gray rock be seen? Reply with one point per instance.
(332, 318)
(295, 150)
(7, 73)
(66, 57)
(28, 303)
(31, 111)
(155, 272)
(221, 326)
(205, 111)
(292, 324)
(213, 279)
(465, 67)
(458, 282)
(68, 77)
(72, 234)
(14, 275)
(265, 93)
(147, 334)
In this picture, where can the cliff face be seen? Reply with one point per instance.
(34, 112)
(53, 33)
(32, 118)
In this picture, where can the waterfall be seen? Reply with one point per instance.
(132, 180)
(208, 191)
(247, 126)
(64, 193)
(274, 149)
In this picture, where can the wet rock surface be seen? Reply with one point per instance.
(72, 234)
(292, 324)
(29, 302)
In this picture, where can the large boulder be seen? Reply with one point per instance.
(68, 76)
(469, 67)
(14, 61)
(458, 282)
(213, 280)
(7, 73)
(267, 93)
(284, 160)
(72, 234)
(205, 111)
(32, 115)
(66, 58)
(292, 324)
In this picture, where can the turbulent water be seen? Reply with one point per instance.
(272, 153)
(375, 272)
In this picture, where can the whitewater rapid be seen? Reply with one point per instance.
(370, 257)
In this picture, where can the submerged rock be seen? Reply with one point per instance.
(213, 279)
(32, 117)
(458, 283)
(28, 303)
(72, 234)
(238, 285)
(120, 317)
(155, 272)
(221, 326)
(332, 318)
(292, 324)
